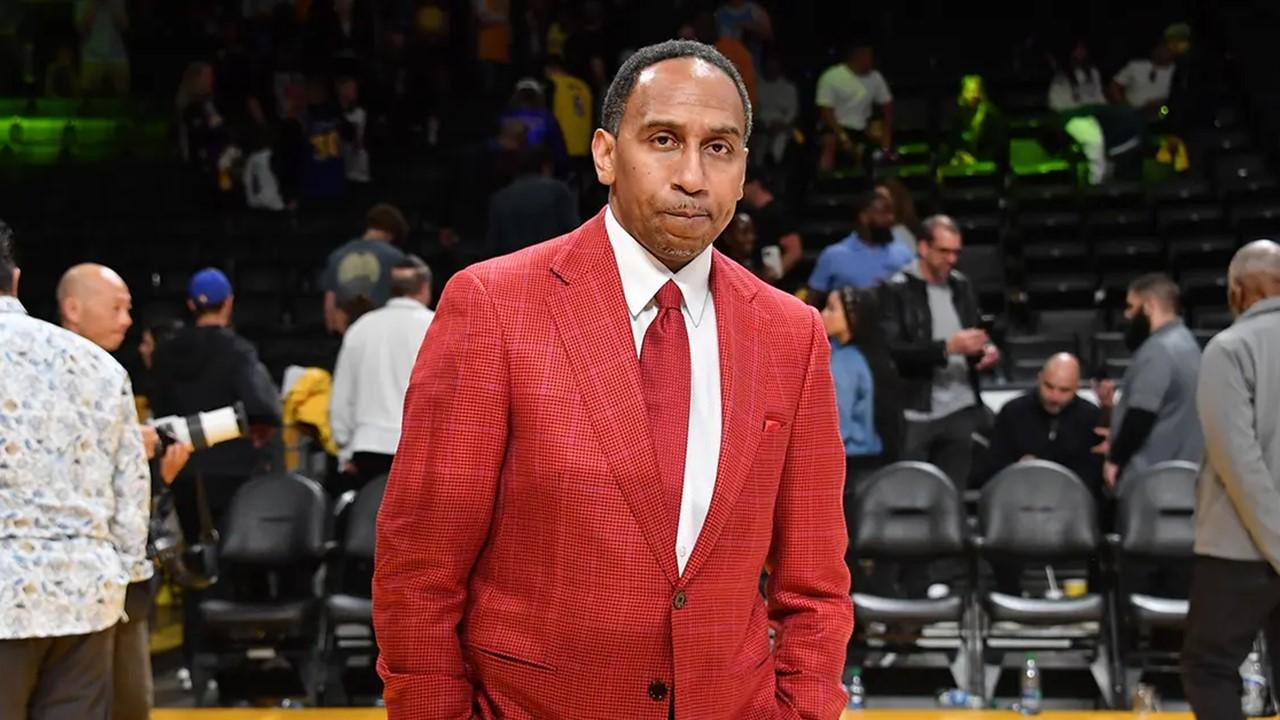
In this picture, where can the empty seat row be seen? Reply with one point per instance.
(1034, 514)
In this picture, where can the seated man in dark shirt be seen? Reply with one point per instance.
(1051, 423)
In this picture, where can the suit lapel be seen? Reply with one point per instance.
(738, 328)
(591, 316)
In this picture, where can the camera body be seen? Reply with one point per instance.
(194, 567)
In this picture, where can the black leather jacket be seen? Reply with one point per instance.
(908, 329)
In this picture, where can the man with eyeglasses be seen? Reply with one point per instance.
(932, 324)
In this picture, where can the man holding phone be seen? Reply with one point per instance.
(937, 338)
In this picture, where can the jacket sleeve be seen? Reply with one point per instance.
(438, 506)
(258, 392)
(1227, 405)
(131, 484)
(914, 358)
(342, 399)
(808, 588)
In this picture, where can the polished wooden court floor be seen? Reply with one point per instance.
(360, 714)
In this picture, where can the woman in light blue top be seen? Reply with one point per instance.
(867, 394)
(865, 380)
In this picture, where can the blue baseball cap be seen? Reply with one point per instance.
(209, 287)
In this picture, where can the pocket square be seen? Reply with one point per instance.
(772, 425)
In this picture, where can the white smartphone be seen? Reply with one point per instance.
(771, 256)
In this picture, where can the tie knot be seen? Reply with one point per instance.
(669, 296)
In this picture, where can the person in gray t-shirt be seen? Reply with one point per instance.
(357, 278)
(1155, 417)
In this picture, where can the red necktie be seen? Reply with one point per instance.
(664, 368)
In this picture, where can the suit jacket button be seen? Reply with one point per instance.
(679, 600)
(657, 691)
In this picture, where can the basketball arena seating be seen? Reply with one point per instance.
(1033, 516)
(297, 570)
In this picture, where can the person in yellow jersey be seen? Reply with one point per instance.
(571, 103)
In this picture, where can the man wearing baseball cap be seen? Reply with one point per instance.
(207, 366)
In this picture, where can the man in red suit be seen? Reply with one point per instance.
(606, 438)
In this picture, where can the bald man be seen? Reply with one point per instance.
(1235, 587)
(1049, 423)
(94, 303)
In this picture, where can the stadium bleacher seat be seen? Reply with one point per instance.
(910, 514)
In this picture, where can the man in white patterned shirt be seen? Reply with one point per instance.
(74, 496)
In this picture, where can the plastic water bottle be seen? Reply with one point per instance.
(1253, 700)
(857, 693)
(953, 698)
(1032, 697)
(1145, 699)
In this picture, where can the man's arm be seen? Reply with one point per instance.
(1133, 434)
(258, 391)
(792, 251)
(439, 504)
(820, 278)
(1226, 403)
(1116, 88)
(808, 589)
(342, 399)
(131, 484)
(1151, 377)
(913, 358)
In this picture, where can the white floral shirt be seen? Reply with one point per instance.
(74, 483)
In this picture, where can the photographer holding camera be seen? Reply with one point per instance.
(94, 303)
(200, 371)
(74, 499)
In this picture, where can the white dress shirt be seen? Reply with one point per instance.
(642, 276)
(372, 375)
(75, 491)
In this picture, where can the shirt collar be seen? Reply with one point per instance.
(405, 302)
(643, 275)
(1169, 327)
(1262, 306)
(11, 304)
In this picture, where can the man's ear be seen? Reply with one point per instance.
(603, 146)
(69, 309)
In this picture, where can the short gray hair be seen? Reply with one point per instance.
(936, 222)
(619, 92)
(409, 276)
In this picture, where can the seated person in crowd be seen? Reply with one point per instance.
(542, 130)
(869, 255)
(906, 228)
(978, 131)
(774, 224)
(1111, 138)
(1145, 83)
(739, 242)
(847, 94)
(1076, 81)
(1050, 423)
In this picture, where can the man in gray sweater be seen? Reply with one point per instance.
(1235, 588)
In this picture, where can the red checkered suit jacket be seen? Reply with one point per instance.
(525, 565)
